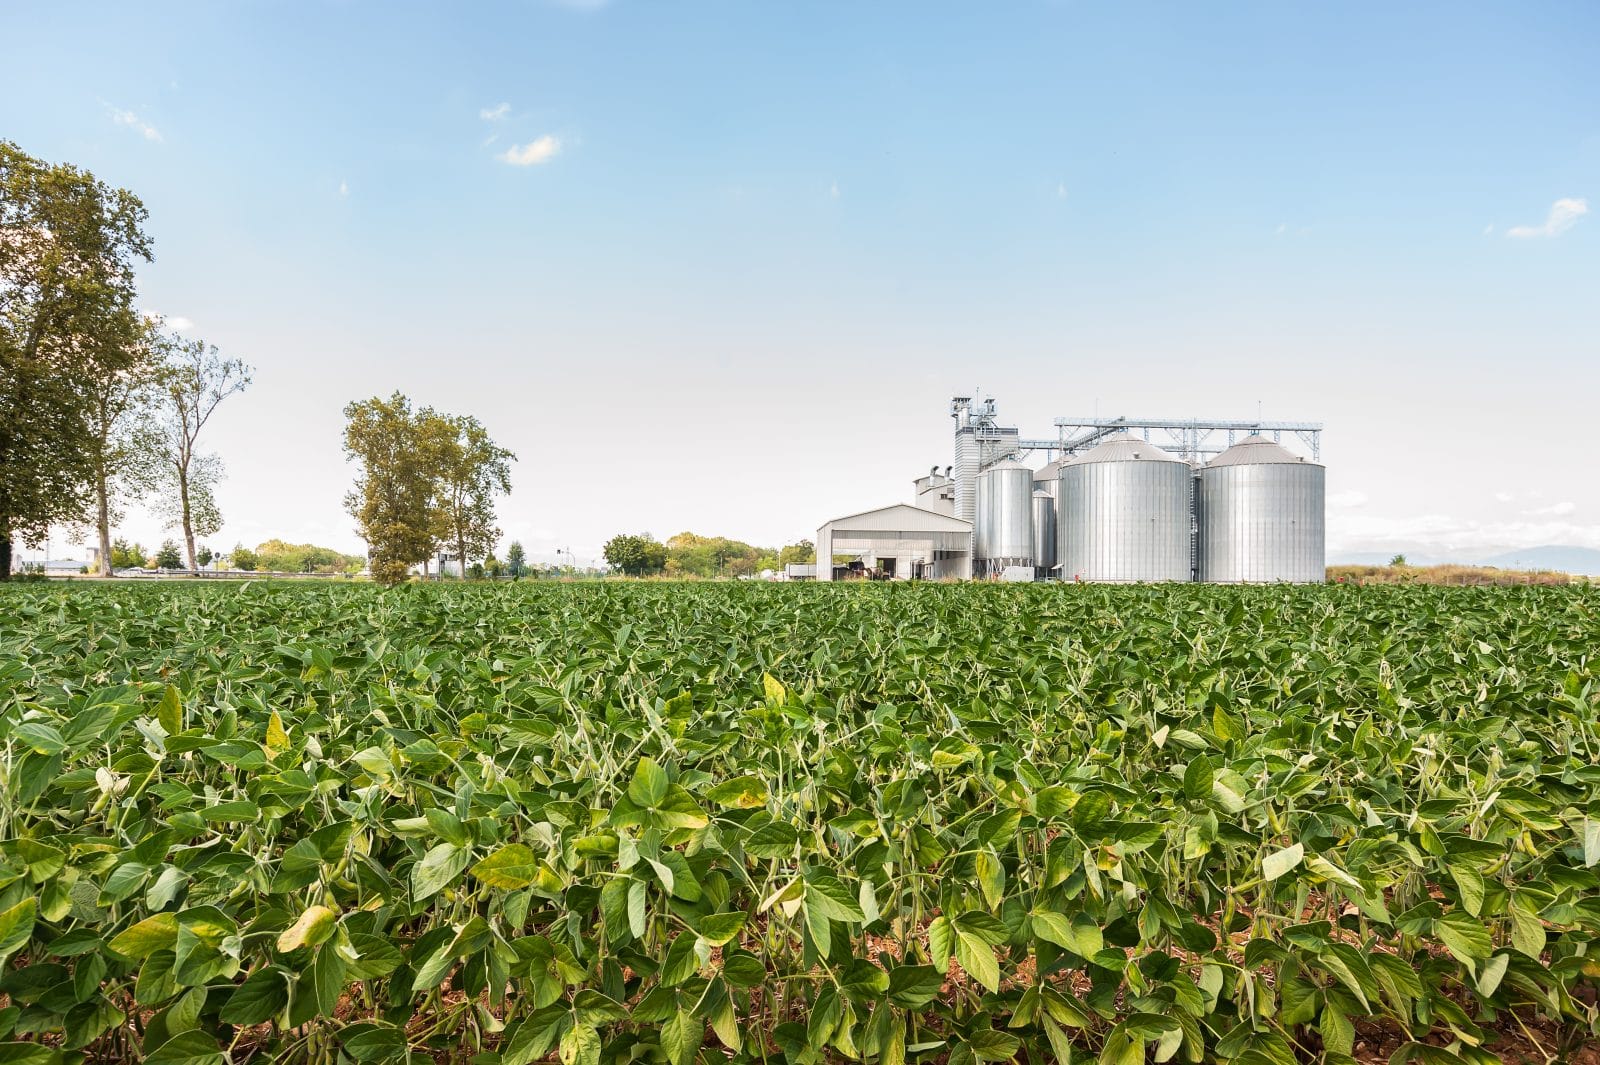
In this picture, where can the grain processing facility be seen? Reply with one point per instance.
(1113, 499)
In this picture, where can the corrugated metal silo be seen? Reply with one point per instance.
(1005, 516)
(1044, 532)
(1123, 514)
(1262, 516)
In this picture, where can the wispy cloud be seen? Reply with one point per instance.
(1564, 214)
(1061, 191)
(127, 118)
(344, 188)
(533, 153)
(1554, 510)
(579, 5)
(833, 190)
(495, 113)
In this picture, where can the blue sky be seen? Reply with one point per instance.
(720, 265)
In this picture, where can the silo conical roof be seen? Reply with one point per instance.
(1255, 450)
(1124, 449)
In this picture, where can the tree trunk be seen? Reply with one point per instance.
(188, 523)
(461, 554)
(103, 524)
(5, 548)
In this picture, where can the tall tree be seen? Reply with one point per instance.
(198, 379)
(393, 499)
(121, 396)
(68, 245)
(516, 559)
(471, 470)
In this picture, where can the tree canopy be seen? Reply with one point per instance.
(424, 478)
(68, 247)
(636, 555)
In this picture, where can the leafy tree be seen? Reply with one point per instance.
(516, 559)
(471, 470)
(204, 556)
(636, 556)
(168, 557)
(1398, 560)
(127, 556)
(120, 396)
(243, 558)
(68, 246)
(393, 498)
(198, 379)
(802, 552)
(492, 566)
(303, 558)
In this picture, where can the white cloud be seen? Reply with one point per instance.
(176, 323)
(834, 190)
(533, 153)
(495, 113)
(1444, 534)
(1554, 510)
(128, 118)
(1488, 229)
(1350, 498)
(1505, 497)
(344, 188)
(1282, 229)
(1061, 191)
(1564, 214)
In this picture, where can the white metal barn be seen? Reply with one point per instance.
(901, 542)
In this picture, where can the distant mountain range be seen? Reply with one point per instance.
(1564, 558)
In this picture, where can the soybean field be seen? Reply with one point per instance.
(664, 823)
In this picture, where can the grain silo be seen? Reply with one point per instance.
(1044, 533)
(1123, 514)
(1004, 529)
(1261, 516)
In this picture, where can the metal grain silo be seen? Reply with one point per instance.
(1261, 516)
(1123, 514)
(1005, 516)
(1044, 532)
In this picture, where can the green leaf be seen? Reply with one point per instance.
(262, 996)
(741, 793)
(373, 1042)
(681, 1037)
(1198, 777)
(580, 1045)
(1527, 931)
(649, 784)
(990, 1045)
(1465, 937)
(1053, 928)
(991, 877)
(1591, 842)
(187, 1048)
(721, 928)
(1469, 882)
(829, 897)
(510, 868)
(1280, 862)
(16, 925)
(157, 932)
(169, 715)
(438, 869)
